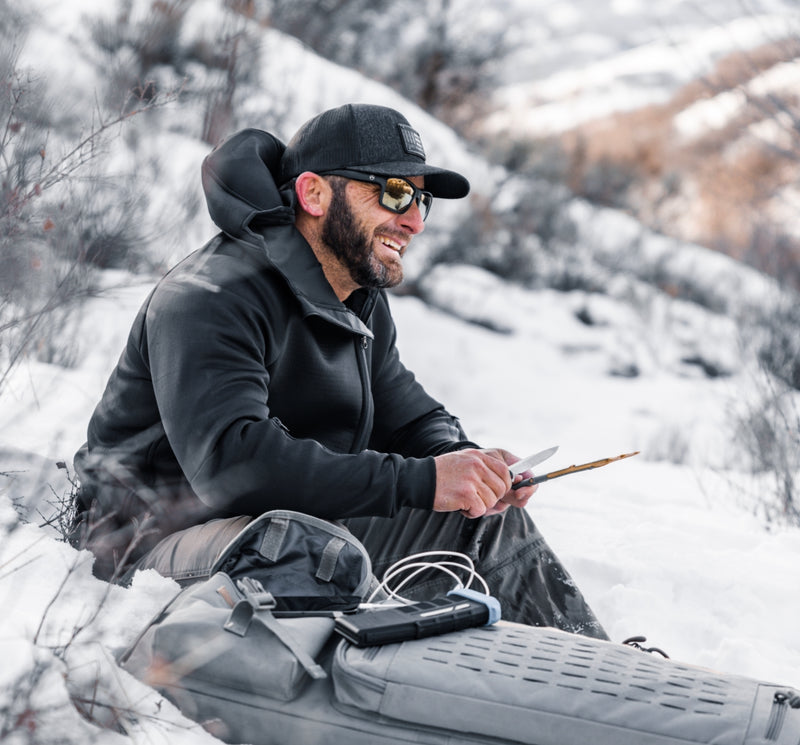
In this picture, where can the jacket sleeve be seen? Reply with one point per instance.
(408, 421)
(207, 349)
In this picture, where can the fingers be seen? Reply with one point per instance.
(495, 479)
(520, 495)
(519, 498)
(499, 507)
(477, 483)
(470, 481)
(499, 461)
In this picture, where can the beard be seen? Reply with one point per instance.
(352, 245)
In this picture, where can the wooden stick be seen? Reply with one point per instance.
(571, 469)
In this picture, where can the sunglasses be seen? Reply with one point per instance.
(397, 194)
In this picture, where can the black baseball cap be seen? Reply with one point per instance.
(368, 139)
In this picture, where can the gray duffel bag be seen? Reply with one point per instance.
(222, 656)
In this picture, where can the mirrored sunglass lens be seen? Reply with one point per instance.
(398, 194)
(425, 202)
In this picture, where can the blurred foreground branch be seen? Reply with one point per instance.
(58, 218)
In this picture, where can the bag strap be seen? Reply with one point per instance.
(272, 543)
(330, 555)
(257, 606)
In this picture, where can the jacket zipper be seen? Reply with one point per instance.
(362, 343)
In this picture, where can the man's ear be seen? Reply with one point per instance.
(313, 193)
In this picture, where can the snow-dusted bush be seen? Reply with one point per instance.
(63, 212)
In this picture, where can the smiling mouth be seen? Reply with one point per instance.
(392, 244)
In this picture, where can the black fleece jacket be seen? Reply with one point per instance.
(246, 385)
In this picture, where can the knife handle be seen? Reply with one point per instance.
(529, 482)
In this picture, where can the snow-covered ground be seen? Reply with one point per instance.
(671, 551)
(665, 544)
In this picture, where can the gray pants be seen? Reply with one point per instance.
(509, 552)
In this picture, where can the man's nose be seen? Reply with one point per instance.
(411, 219)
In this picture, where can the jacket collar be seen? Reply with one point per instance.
(286, 250)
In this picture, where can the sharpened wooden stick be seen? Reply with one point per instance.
(571, 469)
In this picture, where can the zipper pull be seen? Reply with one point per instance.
(788, 697)
(777, 714)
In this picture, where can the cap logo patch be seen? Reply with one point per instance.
(412, 142)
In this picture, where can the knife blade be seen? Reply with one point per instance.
(532, 460)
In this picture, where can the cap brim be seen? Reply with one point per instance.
(440, 182)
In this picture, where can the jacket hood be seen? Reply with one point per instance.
(243, 200)
(239, 181)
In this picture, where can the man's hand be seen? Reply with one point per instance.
(470, 481)
(477, 482)
(518, 498)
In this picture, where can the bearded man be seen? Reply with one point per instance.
(262, 373)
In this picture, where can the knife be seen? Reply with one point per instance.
(532, 460)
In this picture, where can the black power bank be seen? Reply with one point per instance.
(459, 609)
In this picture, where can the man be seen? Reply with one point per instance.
(262, 373)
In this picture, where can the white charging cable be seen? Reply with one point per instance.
(458, 566)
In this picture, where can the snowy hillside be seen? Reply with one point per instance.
(668, 550)
(671, 544)
(583, 60)
(681, 113)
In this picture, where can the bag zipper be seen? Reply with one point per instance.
(781, 701)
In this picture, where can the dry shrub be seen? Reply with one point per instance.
(721, 188)
(741, 67)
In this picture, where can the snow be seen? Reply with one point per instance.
(720, 110)
(669, 544)
(660, 549)
(582, 61)
(665, 549)
(709, 113)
